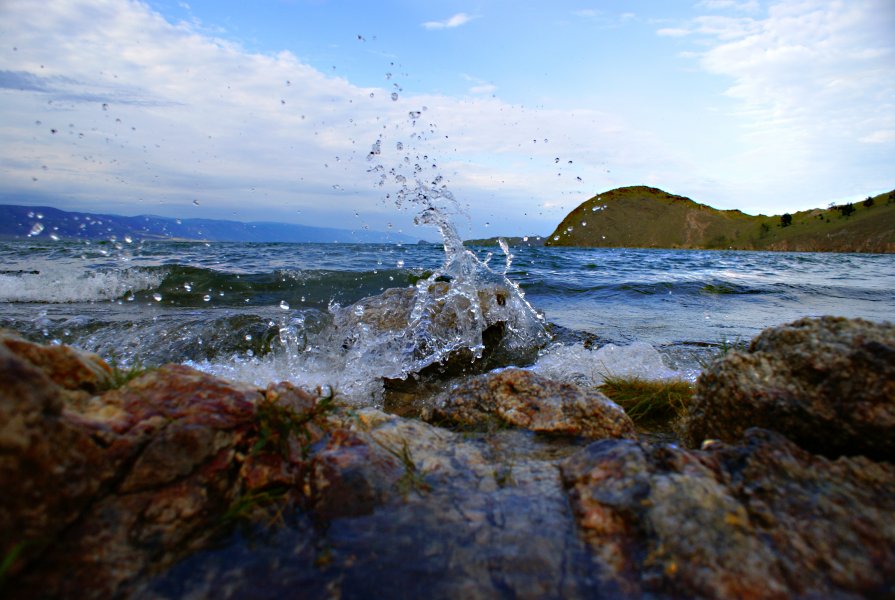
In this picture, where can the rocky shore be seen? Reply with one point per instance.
(172, 483)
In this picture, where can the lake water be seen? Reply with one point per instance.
(260, 312)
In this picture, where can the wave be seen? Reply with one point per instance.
(59, 284)
(179, 285)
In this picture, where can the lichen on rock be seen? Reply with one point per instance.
(828, 384)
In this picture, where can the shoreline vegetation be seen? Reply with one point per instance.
(771, 477)
(626, 217)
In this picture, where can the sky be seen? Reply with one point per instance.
(508, 113)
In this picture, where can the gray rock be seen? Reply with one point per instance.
(762, 520)
(827, 384)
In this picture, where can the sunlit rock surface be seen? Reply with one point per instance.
(520, 398)
(764, 519)
(828, 384)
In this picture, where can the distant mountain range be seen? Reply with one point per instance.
(43, 222)
(645, 217)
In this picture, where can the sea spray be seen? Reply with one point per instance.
(400, 332)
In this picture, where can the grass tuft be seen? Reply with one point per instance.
(278, 423)
(413, 479)
(121, 374)
(649, 402)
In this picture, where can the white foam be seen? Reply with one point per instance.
(66, 283)
(300, 370)
(577, 364)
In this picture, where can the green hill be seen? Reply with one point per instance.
(645, 217)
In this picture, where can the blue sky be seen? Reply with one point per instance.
(269, 110)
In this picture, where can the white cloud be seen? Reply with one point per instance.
(812, 85)
(150, 115)
(455, 21)
(742, 6)
(673, 32)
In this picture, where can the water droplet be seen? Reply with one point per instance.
(400, 264)
(105, 106)
(556, 160)
(128, 239)
(584, 223)
(395, 96)
(337, 187)
(196, 202)
(187, 287)
(525, 238)
(399, 146)
(36, 229)
(555, 238)
(207, 298)
(359, 310)
(372, 95)
(54, 237)
(157, 297)
(248, 337)
(284, 305)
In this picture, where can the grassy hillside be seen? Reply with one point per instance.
(644, 217)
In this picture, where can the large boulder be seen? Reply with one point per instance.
(762, 520)
(521, 398)
(101, 489)
(828, 384)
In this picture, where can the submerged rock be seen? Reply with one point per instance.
(448, 326)
(828, 384)
(521, 398)
(762, 520)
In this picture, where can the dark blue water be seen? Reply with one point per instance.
(225, 303)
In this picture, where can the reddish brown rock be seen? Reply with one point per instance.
(524, 399)
(351, 475)
(761, 520)
(827, 384)
(101, 490)
(71, 368)
(50, 470)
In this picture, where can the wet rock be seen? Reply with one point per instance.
(158, 473)
(68, 367)
(762, 520)
(50, 470)
(102, 490)
(463, 515)
(446, 326)
(521, 398)
(828, 384)
(351, 476)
